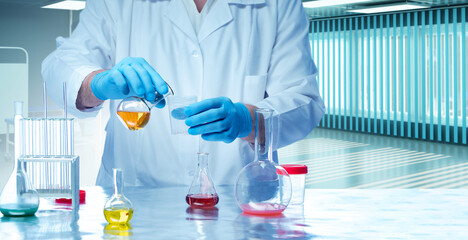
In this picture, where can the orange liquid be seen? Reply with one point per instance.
(134, 120)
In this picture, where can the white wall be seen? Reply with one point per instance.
(35, 30)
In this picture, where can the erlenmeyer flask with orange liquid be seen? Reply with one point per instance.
(134, 112)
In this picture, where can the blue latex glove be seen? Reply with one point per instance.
(130, 76)
(218, 119)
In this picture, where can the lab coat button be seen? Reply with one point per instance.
(195, 54)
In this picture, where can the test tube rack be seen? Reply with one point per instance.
(46, 153)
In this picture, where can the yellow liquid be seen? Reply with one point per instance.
(134, 120)
(118, 229)
(118, 215)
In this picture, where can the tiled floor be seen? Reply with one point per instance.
(340, 159)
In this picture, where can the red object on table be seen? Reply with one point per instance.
(295, 168)
(69, 200)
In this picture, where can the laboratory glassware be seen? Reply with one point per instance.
(297, 173)
(263, 187)
(118, 209)
(177, 116)
(202, 193)
(48, 154)
(134, 112)
(18, 196)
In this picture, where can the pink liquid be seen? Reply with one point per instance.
(263, 208)
(202, 200)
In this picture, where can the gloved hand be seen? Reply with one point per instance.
(129, 75)
(218, 119)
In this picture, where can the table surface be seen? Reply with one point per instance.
(161, 213)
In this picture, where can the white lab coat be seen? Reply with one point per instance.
(252, 51)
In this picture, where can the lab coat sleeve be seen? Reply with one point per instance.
(292, 87)
(90, 48)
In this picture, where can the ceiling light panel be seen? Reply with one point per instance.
(67, 5)
(328, 3)
(389, 8)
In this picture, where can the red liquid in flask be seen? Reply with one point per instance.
(264, 209)
(202, 200)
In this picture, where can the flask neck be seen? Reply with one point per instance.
(202, 161)
(202, 182)
(263, 134)
(159, 97)
(118, 182)
(18, 132)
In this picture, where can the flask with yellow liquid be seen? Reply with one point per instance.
(118, 209)
(134, 112)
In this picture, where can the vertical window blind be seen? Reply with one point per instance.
(399, 74)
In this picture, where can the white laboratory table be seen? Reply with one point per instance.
(161, 213)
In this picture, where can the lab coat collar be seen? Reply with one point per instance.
(218, 16)
(178, 15)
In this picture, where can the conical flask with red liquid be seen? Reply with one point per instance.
(202, 193)
(263, 187)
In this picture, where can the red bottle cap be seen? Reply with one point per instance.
(69, 200)
(295, 168)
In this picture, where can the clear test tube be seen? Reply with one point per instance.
(68, 177)
(35, 136)
(48, 176)
(43, 175)
(44, 136)
(35, 132)
(41, 138)
(23, 140)
(60, 175)
(56, 175)
(48, 136)
(26, 137)
(60, 136)
(52, 175)
(52, 134)
(34, 171)
(56, 139)
(70, 136)
(45, 131)
(24, 143)
(21, 134)
(29, 137)
(37, 182)
(63, 137)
